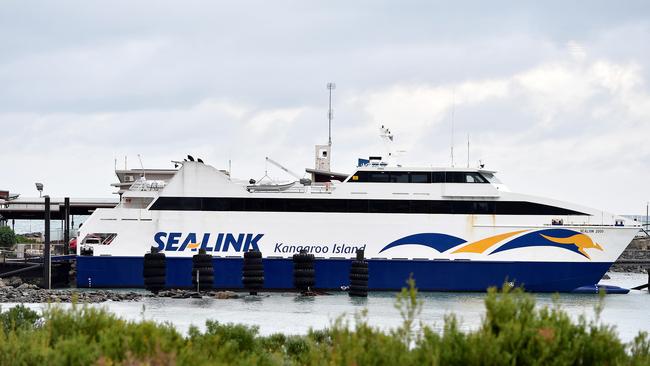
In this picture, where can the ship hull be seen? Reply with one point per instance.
(332, 274)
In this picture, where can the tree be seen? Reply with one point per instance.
(7, 237)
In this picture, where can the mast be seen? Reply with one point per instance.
(330, 113)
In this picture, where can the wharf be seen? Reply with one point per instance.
(34, 208)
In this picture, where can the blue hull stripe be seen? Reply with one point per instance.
(333, 273)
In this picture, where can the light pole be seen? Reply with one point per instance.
(647, 207)
(39, 188)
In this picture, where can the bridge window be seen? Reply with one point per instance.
(474, 178)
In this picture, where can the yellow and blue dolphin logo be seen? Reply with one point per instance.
(560, 238)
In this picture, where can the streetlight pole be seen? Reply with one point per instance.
(47, 273)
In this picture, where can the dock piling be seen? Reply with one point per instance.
(66, 227)
(47, 274)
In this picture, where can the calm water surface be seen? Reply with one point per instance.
(290, 314)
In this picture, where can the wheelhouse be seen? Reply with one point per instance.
(417, 176)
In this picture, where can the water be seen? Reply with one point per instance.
(290, 314)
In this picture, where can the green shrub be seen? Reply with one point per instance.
(7, 237)
(21, 239)
(513, 332)
(18, 318)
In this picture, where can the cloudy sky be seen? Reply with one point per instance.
(555, 97)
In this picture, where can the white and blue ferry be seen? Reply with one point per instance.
(453, 229)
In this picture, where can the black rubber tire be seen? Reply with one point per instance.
(252, 280)
(247, 273)
(252, 267)
(254, 254)
(359, 277)
(358, 288)
(201, 259)
(154, 263)
(202, 264)
(359, 270)
(202, 270)
(303, 265)
(302, 258)
(153, 271)
(155, 256)
(207, 280)
(252, 261)
(358, 283)
(203, 274)
(154, 279)
(356, 263)
(299, 272)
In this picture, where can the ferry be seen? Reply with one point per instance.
(451, 229)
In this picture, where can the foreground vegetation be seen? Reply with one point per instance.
(513, 332)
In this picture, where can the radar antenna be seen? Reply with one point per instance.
(142, 167)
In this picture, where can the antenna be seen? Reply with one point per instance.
(330, 114)
(142, 166)
(453, 110)
(468, 150)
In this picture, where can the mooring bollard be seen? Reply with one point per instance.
(359, 276)
(154, 270)
(202, 271)
(304, 273)
(253, 271)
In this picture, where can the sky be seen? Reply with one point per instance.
(553, 95)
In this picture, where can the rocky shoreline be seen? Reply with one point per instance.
(13, 290)
(638, 250)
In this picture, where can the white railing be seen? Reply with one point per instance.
(316, 188)
(147, 185)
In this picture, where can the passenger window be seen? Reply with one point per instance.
(438, 177)
(378, 177)
(399, 177)
(420, 177)
(455, 177)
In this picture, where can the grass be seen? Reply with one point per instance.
(513, 332)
